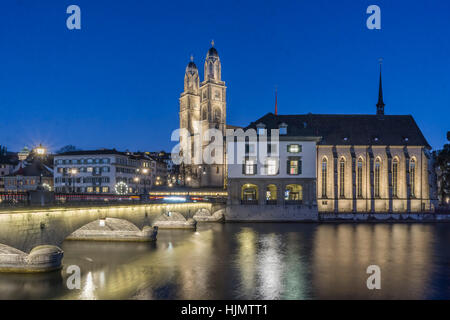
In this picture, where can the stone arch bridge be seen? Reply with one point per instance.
(25, 229)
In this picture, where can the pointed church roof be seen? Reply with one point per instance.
(349, 129)
(212, 52)
(380, 103)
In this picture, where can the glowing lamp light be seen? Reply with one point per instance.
(40, 150)
(175, 199)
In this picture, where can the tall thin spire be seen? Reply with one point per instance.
(380, 104)
(276, 101)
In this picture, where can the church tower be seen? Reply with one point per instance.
(204, 102)
(213, 92)
(190, 98)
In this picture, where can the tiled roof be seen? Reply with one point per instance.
(349, 129)
(92, 152)
(34, 169)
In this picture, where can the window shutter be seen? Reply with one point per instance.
(299, 166)
(288, 171)
(243, 167)
(255, 168)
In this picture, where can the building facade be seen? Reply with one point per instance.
(275, 183)
(363, 164)
(202, 107)
(102, 171)
(30, 175)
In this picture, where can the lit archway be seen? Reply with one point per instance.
(249, 193)
(271, 194)
(293, 193)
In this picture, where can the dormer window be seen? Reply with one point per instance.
(345, 139)
(283, 129)
(261, 129)
(376, 138)
(406, 139)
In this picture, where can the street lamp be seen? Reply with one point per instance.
(145, 171)
(40, 152)
(73, 172)
(136, 180)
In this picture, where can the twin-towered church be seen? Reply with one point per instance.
(322, 163)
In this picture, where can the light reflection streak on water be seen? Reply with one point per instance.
(255, 261)
(270, 267)
(153, 270)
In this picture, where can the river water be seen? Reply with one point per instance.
(254, 261)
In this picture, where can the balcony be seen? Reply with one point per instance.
(271, 202)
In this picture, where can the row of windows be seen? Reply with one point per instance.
(85, 189)
(293, 167)
(134, 181)
(359, 177)
(95, 180)
(282, 127)
(272, 148)
(82, 161)
(96, 170)
(292, 192)
(119, 160)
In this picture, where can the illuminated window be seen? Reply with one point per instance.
(412, 177)
(394, 177)
(294, 166)
(294, 148)
(342, 178)
(272, 167)
(249, 192)
(359, 177)
(377, 178)
(250, 167)
(324, 178)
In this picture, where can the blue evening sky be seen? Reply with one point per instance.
(116, 82)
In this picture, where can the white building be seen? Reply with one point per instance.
(102, 171)
(260, 185)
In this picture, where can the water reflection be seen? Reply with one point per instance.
(343, 252)
(254, 261)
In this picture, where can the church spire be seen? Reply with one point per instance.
(276, 101)
(380, 104)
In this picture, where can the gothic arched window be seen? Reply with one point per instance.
(377, 177)
(395, 178)
(217, 115)
(342, 178)
(324, 178)
(412, 177)
(359, 180)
